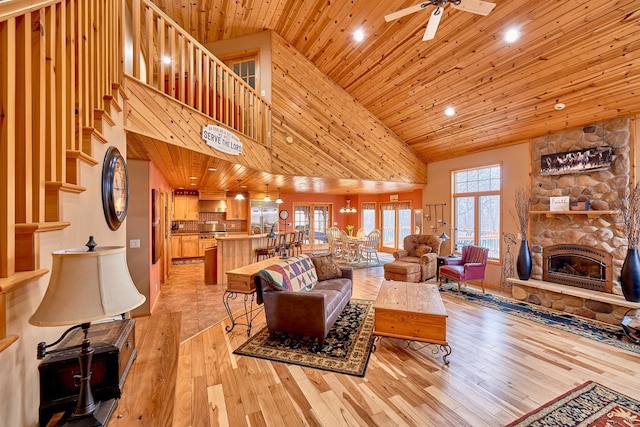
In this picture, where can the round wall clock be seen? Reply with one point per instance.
(284, 214)
(115, 188)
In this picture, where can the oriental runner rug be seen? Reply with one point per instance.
(593, 329)
(346, 349)
(590, 404)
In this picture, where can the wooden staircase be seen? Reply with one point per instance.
(61, 76)
(54, 107)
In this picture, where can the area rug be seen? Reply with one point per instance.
(590, 404)
(384, 259)
(593, 329)
(346, 349)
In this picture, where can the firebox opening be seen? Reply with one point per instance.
(578, 265)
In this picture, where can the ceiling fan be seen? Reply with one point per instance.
(474, 6)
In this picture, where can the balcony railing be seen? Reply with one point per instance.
(166, 57)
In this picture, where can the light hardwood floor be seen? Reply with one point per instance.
(501, 367)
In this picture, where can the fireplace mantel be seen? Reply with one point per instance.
(590, 214)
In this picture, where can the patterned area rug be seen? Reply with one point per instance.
(384, 259)
(590, 404)
(346, 349)
(596, 330)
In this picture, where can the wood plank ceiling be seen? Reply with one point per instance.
(583, 53)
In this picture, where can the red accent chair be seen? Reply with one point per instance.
(470, 266)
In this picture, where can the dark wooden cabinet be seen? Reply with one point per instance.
(115, 350)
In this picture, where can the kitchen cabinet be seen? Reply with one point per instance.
(176, 247)
(184, 246)
(185, 208)
(205, 244)
(190, 246)
(236, 209)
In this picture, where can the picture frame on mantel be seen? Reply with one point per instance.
(591, 159)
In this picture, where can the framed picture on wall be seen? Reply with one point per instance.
(592, 159)
(157, 239)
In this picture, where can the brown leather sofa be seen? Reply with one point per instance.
(421, 249)
(293, 304)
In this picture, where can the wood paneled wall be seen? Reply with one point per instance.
(333, 135)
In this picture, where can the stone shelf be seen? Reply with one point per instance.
(590, 214)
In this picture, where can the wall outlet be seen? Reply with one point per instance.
(134, 243)
(263, 92)
(156, 287)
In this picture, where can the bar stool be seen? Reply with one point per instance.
(267, 252)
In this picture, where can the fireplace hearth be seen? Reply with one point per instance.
(579, 266)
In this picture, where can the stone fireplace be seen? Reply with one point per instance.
(578, 265)
(603, 189)
(577, 257)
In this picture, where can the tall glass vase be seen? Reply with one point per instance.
(630, 276)
(523, 263)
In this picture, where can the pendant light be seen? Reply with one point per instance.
(266, 196)
(348, 208)
(279, 200)
(239, 196)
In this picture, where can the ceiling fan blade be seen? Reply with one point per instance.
(432, 26)
(475, 6)
(406, 11)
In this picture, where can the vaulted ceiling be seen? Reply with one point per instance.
(582, 53)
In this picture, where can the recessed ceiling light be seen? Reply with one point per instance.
(559, 106)
(193, 183)
(358, 35)
(512, 35)
(193, 177)
(450, 111)
(212, 169)
(166, 60)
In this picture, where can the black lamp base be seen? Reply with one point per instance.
(98, 418)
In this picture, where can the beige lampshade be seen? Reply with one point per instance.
(87, 286)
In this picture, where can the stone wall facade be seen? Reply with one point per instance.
(603, 189)
(584, 307)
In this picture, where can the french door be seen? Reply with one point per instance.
(314, 219)
(396, 225)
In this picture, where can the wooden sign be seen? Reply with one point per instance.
(221, 139)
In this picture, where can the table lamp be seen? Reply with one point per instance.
(86, 285)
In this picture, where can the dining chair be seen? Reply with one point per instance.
(333, 238)
(349, 250)
(362, 233)
(369, 247)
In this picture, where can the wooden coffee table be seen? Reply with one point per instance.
(413, 312)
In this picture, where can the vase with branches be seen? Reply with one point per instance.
(522, 205)
(630, 273)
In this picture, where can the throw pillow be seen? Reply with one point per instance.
(422, 249)
(326, 267)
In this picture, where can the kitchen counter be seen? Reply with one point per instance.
(237, 250)
(236, 236)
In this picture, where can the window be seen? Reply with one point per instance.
(245, 65)
(477, 208)
(396, 224)
(368, 217)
